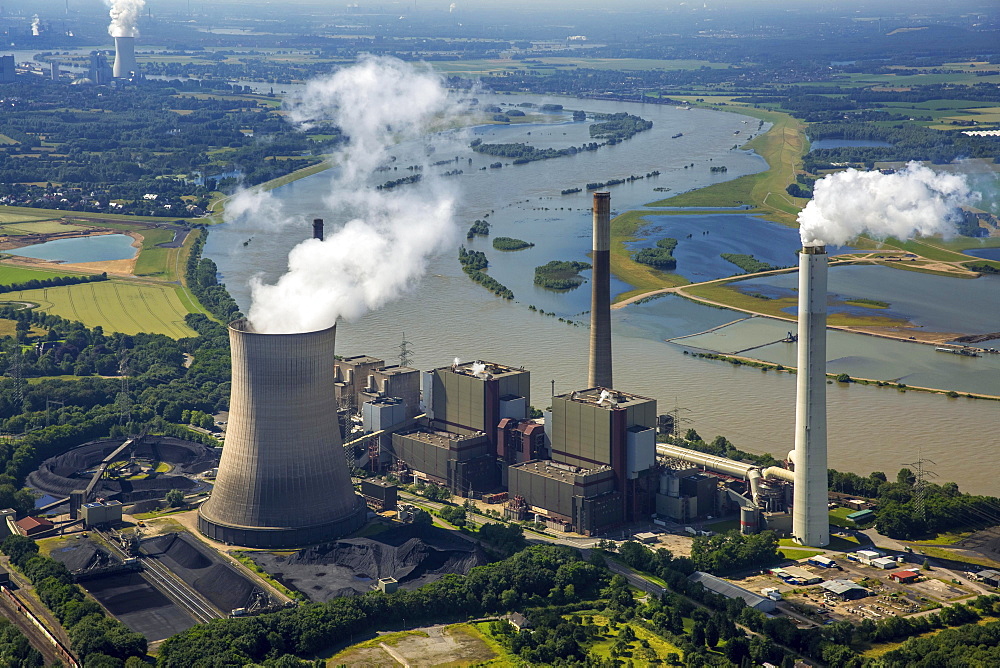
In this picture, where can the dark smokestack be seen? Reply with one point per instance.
(318, 228)
(600, 300)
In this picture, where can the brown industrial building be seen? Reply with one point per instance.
(584, 498)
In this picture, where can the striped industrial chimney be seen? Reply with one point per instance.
(600, 299)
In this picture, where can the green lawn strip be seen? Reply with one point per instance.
(10, 274)
(799, 553)
(722, 527)
(86, 216)
(782, 146)
(944, 539)
(963, 556)
(726, 294)
(643, 278)
(931, 249)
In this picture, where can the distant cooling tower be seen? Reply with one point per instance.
(600, 299)
(124, 57)
(810, 516)
(283, 478)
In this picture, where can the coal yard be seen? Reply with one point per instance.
(126, 595)
(60, 475)
(204, 571)
(414, 555)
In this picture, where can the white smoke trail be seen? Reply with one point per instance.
(125, 17)
(916, 201)
(451, 8)
(383, 250)
(36, 26)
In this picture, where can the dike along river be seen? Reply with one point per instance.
(448, 316)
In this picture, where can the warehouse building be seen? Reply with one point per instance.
(729, 590)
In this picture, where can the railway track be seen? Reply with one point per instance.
(176, 590)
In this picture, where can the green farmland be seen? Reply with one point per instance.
(117, 306)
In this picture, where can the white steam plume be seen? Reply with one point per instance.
(916, 201)
(383, 250)
(451, 8)
(125, 17)
(36, 26)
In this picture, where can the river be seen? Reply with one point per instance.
(446, 315)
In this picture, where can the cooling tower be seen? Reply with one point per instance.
(810, 516)
(600, 299)
(124, 57)
(283, 478)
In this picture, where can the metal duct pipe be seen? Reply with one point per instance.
(125, 62)
(599, 374)
(810, 518)
(283, 479)
(719, 464)
(778, 473)
(754, 476)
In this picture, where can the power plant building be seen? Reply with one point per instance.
(603, 457)
(363, 378)
(283, 479)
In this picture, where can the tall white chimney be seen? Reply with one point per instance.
(810, 515)
(125, 62)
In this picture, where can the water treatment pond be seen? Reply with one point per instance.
(101, 248)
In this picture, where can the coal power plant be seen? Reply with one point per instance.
(600, 299)
(810, 521)
(125, 63)
(283, 479)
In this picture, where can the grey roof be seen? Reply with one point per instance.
(840, 586)
(729, 590)
(988, 575)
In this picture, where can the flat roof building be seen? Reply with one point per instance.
(585, 498)
(729, 590)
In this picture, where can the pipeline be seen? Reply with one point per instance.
(723, 465)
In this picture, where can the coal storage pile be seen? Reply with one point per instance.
(413, 555)
(83, 554)
(206, 572)
(64, 473)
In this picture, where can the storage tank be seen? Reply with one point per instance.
(749, 519)
(283, 479)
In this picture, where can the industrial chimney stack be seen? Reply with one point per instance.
(810, 516)
(283, 479)
(125, 62)
(600, 301)
(318, 228)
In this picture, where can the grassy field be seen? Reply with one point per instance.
(454, 645)
(643, 278)
(27, 213)
(117, 306)
(602, 648)
(782, 147)
(155, 262)
(10, 274)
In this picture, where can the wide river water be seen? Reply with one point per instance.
(446, 315)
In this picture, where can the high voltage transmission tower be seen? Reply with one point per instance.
(405, 354)
(920, 474)
(124, 395)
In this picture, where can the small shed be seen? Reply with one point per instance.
(647, 537)
(862, 516)
(885, 563)
(32, 526)
(904, 577)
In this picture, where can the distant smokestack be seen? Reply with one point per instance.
(124, 57)
(283, 479)
(600, 300)
(318, 228)
(810, 516)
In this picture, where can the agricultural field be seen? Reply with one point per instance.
(41, 227)
(130, 307)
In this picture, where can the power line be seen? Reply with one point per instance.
(920, 485)
(405, 353)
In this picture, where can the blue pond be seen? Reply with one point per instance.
(701, 239)
(103, 248)
(985, 253)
